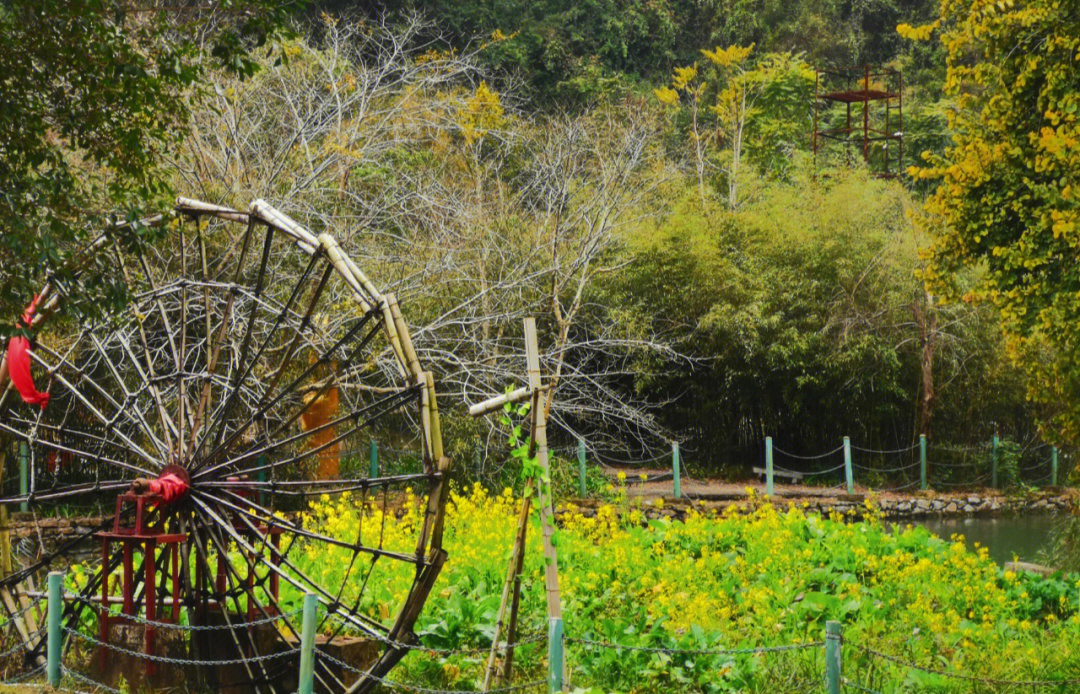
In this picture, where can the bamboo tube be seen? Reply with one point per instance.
(492, 404)
(436, 429)
(513, 572)
(337, 259)
(402, 332)
(5, 535)
(199, 207)
(366, 283)
(279, 220)
(26, 629)
(547, 516)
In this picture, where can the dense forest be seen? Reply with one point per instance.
(638, 175)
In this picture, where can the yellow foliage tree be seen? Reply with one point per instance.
(1007, 205)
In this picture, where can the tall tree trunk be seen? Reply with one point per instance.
(926, 319)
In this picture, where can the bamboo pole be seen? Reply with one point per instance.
(5, 535)
(547, 515)
(513, 581)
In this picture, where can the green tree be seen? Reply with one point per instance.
(92, 94)
(1007, 203)
(738, 107)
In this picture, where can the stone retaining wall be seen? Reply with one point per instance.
(891, 506)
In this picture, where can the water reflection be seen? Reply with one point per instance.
(1020, 535)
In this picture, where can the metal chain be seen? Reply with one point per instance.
(423, 690)
(967, 678)
(855, 685)
(808, 474)
(171, 625)
(880, 452)
(539, 636)
(902, 487)
(609, 461)
(887, 469)
(25, 676)
(809, 457)
(86, 680)
(11, 616)
(180, 661)
(706, 651)
(18, 646)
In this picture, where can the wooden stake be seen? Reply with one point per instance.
(511, 585)
(547, 514)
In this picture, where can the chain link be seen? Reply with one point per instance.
(12, 615)
(808, 474)
(86, 680)
(10, 651)
(393, 684)
(885, 452)
(886, 469)
(25, 676)
(189, 627)
(855, 685)
(809, 457)
(966, 678)
(677, 651)
(539, 636)
(180, 661)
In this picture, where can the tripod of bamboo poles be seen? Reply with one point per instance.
(511, 592)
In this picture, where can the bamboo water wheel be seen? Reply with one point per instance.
(203, 414)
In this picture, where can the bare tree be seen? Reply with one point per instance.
(473, 215)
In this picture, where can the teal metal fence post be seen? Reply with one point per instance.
(848, 475)
(833, 657)
(1053, 466)
(922, 462)
(676, 477)
(24, 475)
(555, 655)
(55, 611)
(768, 466)
(307, 645)
(261, 477)
(583, 489)
(993, 463)
(373, 459)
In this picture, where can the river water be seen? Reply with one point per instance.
(1019, 535)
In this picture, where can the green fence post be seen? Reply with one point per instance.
(307, 645)
(55, 611)
(24, 479)
(555, 655)
(833, 658)
(993, 463)
(1053, 466)
(922, 462)
(373, 459)
(583, 490)
(848, 476)
(261, 477)
(676, 481)
(768, 466)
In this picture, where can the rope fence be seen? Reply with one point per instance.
(921, 465)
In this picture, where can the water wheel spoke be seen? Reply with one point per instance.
(371, 413)
(234, 587)
(294, 575)
(220, 418)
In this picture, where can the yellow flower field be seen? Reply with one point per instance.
(724, 581)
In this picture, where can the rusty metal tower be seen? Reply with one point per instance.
(880, 135)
